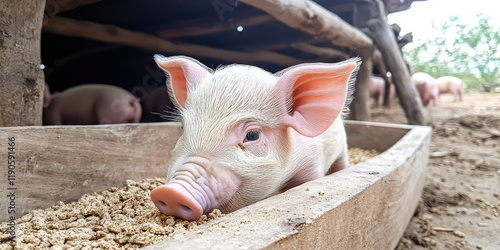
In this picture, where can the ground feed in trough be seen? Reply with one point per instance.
(120, 218)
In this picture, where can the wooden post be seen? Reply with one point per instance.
(360, 107)
(21, 79)
(370, 14)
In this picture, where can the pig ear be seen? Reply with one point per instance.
(183, 73)
(315, 95)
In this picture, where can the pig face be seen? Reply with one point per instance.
(237, 140)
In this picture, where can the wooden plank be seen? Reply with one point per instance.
(365, 206)
(61, 163)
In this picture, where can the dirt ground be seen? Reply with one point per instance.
(460, 205)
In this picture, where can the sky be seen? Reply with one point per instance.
(419, 18)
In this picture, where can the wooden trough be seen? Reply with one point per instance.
(364, 206)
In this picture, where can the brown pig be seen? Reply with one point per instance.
(90, 104)
(249, 133)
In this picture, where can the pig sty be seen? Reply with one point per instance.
(249, 133)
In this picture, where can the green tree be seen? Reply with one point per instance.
(471, 54)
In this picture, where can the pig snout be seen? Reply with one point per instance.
(198, 186)
(173, 199)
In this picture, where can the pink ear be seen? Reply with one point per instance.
(315, 95)
(184, 72)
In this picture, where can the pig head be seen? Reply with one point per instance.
(248, 133)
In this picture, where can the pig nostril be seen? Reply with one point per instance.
(161, 205)
(185, 208)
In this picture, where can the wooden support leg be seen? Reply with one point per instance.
(360, 108)
(383, 37)
(21, 79)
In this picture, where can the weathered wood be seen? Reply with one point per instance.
(360, 107)
(21, 79)
(61, 163)
(320, 51)
(369, 204)
(370, 14)
(117, 35)
(189, 29)
(310, 17)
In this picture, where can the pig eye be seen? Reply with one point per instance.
(252, 135)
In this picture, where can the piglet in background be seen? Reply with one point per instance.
(452, 85)
(248, 133)
(377, 89)
(157, 106)
(427, 87)
(90, 104)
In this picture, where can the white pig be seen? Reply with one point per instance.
(453, 85)
(427, 87)
(249, 133)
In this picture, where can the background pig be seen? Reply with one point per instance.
(249, 133)
(452, 85)
(90, 104)
(427, 87)
(157, 107)
(377, 89)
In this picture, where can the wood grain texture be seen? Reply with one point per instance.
(21, 79)
(61, 163)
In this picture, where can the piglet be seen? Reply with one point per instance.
(90, 104)
(452, 85)
(377, 89)
(248, 133)
(427, 87)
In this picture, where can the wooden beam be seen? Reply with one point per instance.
(310, 17)
(113, 34)
(192, 28)
(52, 7)
(21, 79)
(320, 51)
